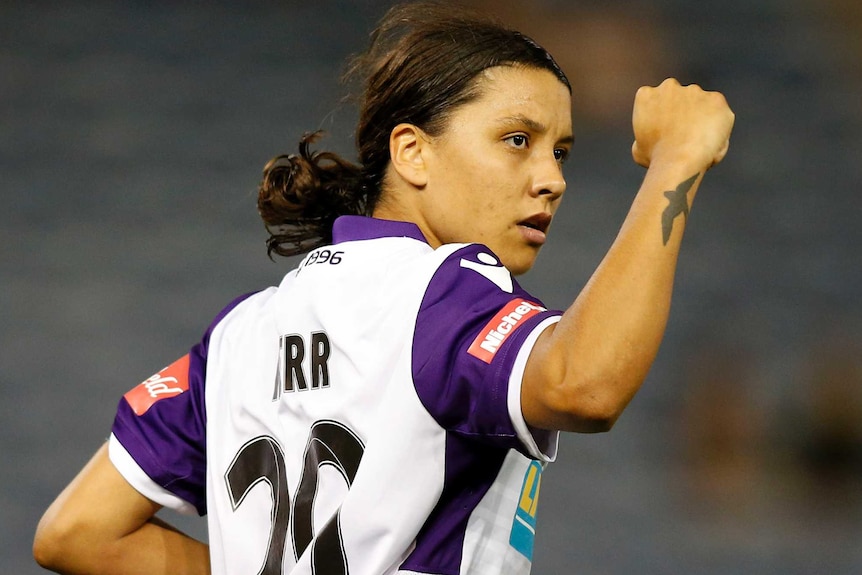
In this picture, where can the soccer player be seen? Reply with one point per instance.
(390, 405)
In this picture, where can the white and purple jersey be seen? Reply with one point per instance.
(363, 417)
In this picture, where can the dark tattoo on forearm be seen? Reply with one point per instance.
(677, 204)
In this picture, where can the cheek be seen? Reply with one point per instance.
(490, 205)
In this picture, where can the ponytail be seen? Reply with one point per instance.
(302, 194)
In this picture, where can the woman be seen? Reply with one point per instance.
(389, 407)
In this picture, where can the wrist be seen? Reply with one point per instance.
(680, 159)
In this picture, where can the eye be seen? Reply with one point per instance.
(561, 154)
(517, 141)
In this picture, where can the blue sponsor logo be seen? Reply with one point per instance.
(524, 525)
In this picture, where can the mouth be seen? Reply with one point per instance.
(535, 228)
(540, 222)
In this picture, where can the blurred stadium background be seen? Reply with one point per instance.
(132, 136)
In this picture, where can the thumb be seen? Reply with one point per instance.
(638, 156)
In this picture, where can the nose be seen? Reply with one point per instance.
(548, 180)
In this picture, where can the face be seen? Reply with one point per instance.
(494, 176)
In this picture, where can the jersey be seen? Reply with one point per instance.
(362, 417)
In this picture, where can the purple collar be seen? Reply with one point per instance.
(347, 228)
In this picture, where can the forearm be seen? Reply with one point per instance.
(152, 549)
(584, 371)
(595, 359)
(100, 525)
(614, 328)
(155, 548)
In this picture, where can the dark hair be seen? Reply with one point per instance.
(421, 65)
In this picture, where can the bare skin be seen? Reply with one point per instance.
(583, 371)
(101, 524)
(494, 177)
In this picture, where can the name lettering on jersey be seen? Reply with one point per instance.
(496, 331)
(169, 382)
(293, 365)
(523, 532)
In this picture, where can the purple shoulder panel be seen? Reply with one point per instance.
(162, 422)
(471, 324)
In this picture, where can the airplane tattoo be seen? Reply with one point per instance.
(677, 204)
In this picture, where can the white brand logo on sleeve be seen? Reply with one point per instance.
(491, 270)
(495, 332)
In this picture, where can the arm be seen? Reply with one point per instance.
(584, 371)
(101, 524)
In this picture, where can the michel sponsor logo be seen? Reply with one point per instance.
(169, 382)
(496, 331)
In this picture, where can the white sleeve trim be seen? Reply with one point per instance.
(514, 398)
(137, 478)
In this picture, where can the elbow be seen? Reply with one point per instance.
(593, 416)
(56, 543)
(585, 407)
(598, 423)
(48, 543)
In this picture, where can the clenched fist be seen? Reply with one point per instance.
(675, 123)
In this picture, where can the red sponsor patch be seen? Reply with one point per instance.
(504, 324)
(170, 382)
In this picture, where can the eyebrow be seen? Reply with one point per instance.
(532, 125)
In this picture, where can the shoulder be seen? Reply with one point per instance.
(246, 309)
(473, 321)
(476, 264)
(471, 277)
(247, 303)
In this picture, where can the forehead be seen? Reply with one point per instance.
(507, 92)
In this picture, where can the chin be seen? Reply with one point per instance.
(518, 259)
(519, 266)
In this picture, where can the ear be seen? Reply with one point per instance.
(406, 146)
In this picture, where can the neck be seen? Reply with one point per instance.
(402, 207)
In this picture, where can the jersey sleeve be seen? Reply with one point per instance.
(158, 439)
(474, 332)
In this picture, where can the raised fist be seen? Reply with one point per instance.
(675, 123)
